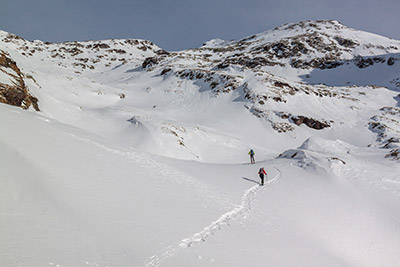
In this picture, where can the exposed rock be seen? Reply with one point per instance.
(150, 61)
(84, 60)
(363, 62)
(394, 154)
(391, 61)
(16, 93)
(279, 99)
(392, 141)
(245, 61)
(282, 127)
(282, 84)
(218, 82)
(345, 42)
(101, 45)
(162, 52)
(118, 51)
(143, 48)
(338, 159)
(387, 127)
(310, 122)
(132, 42)
(166, 70)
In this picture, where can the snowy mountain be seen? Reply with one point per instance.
(129, 155)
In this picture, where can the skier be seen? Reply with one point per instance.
(261, 173)
(251, 153)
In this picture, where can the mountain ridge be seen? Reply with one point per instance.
(268, 72)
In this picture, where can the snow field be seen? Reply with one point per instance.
(127, 167)
(223, 220)
(103, 201)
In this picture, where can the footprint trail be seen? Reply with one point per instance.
(224, 219)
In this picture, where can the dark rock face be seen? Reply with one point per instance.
(218, 82)
(310, 122)
(391, 61)
(363, 63)
(286, 48)
(150, 61)
(246, 61)
(162, 52)
(345, 42)
(166, 70)
(16, 93)
(101, 45)
(17, 97)
(394, 154)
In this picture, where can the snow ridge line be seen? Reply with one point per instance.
(244, 207)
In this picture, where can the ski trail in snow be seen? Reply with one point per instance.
(200, 237)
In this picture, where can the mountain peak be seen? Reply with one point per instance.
(311, 24)
(292, 63)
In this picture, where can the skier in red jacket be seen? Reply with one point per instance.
(261, 173)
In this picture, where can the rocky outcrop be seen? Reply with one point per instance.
(88, 55)
(394, 154)
(287, 120)
(150, 61)
(387, 127)
(217, 82)
(310, 122)
(13, 91)
(247, 62)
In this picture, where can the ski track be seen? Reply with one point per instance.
(200, 237)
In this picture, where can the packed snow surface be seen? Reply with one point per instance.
(124, 166)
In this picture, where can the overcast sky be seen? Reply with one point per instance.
(180, 24)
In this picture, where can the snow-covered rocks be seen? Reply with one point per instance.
(313, 74)
(13, 90)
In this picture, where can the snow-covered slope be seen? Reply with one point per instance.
(138, 156)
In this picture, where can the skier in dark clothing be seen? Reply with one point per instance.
(251, 153)
(261, 173)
